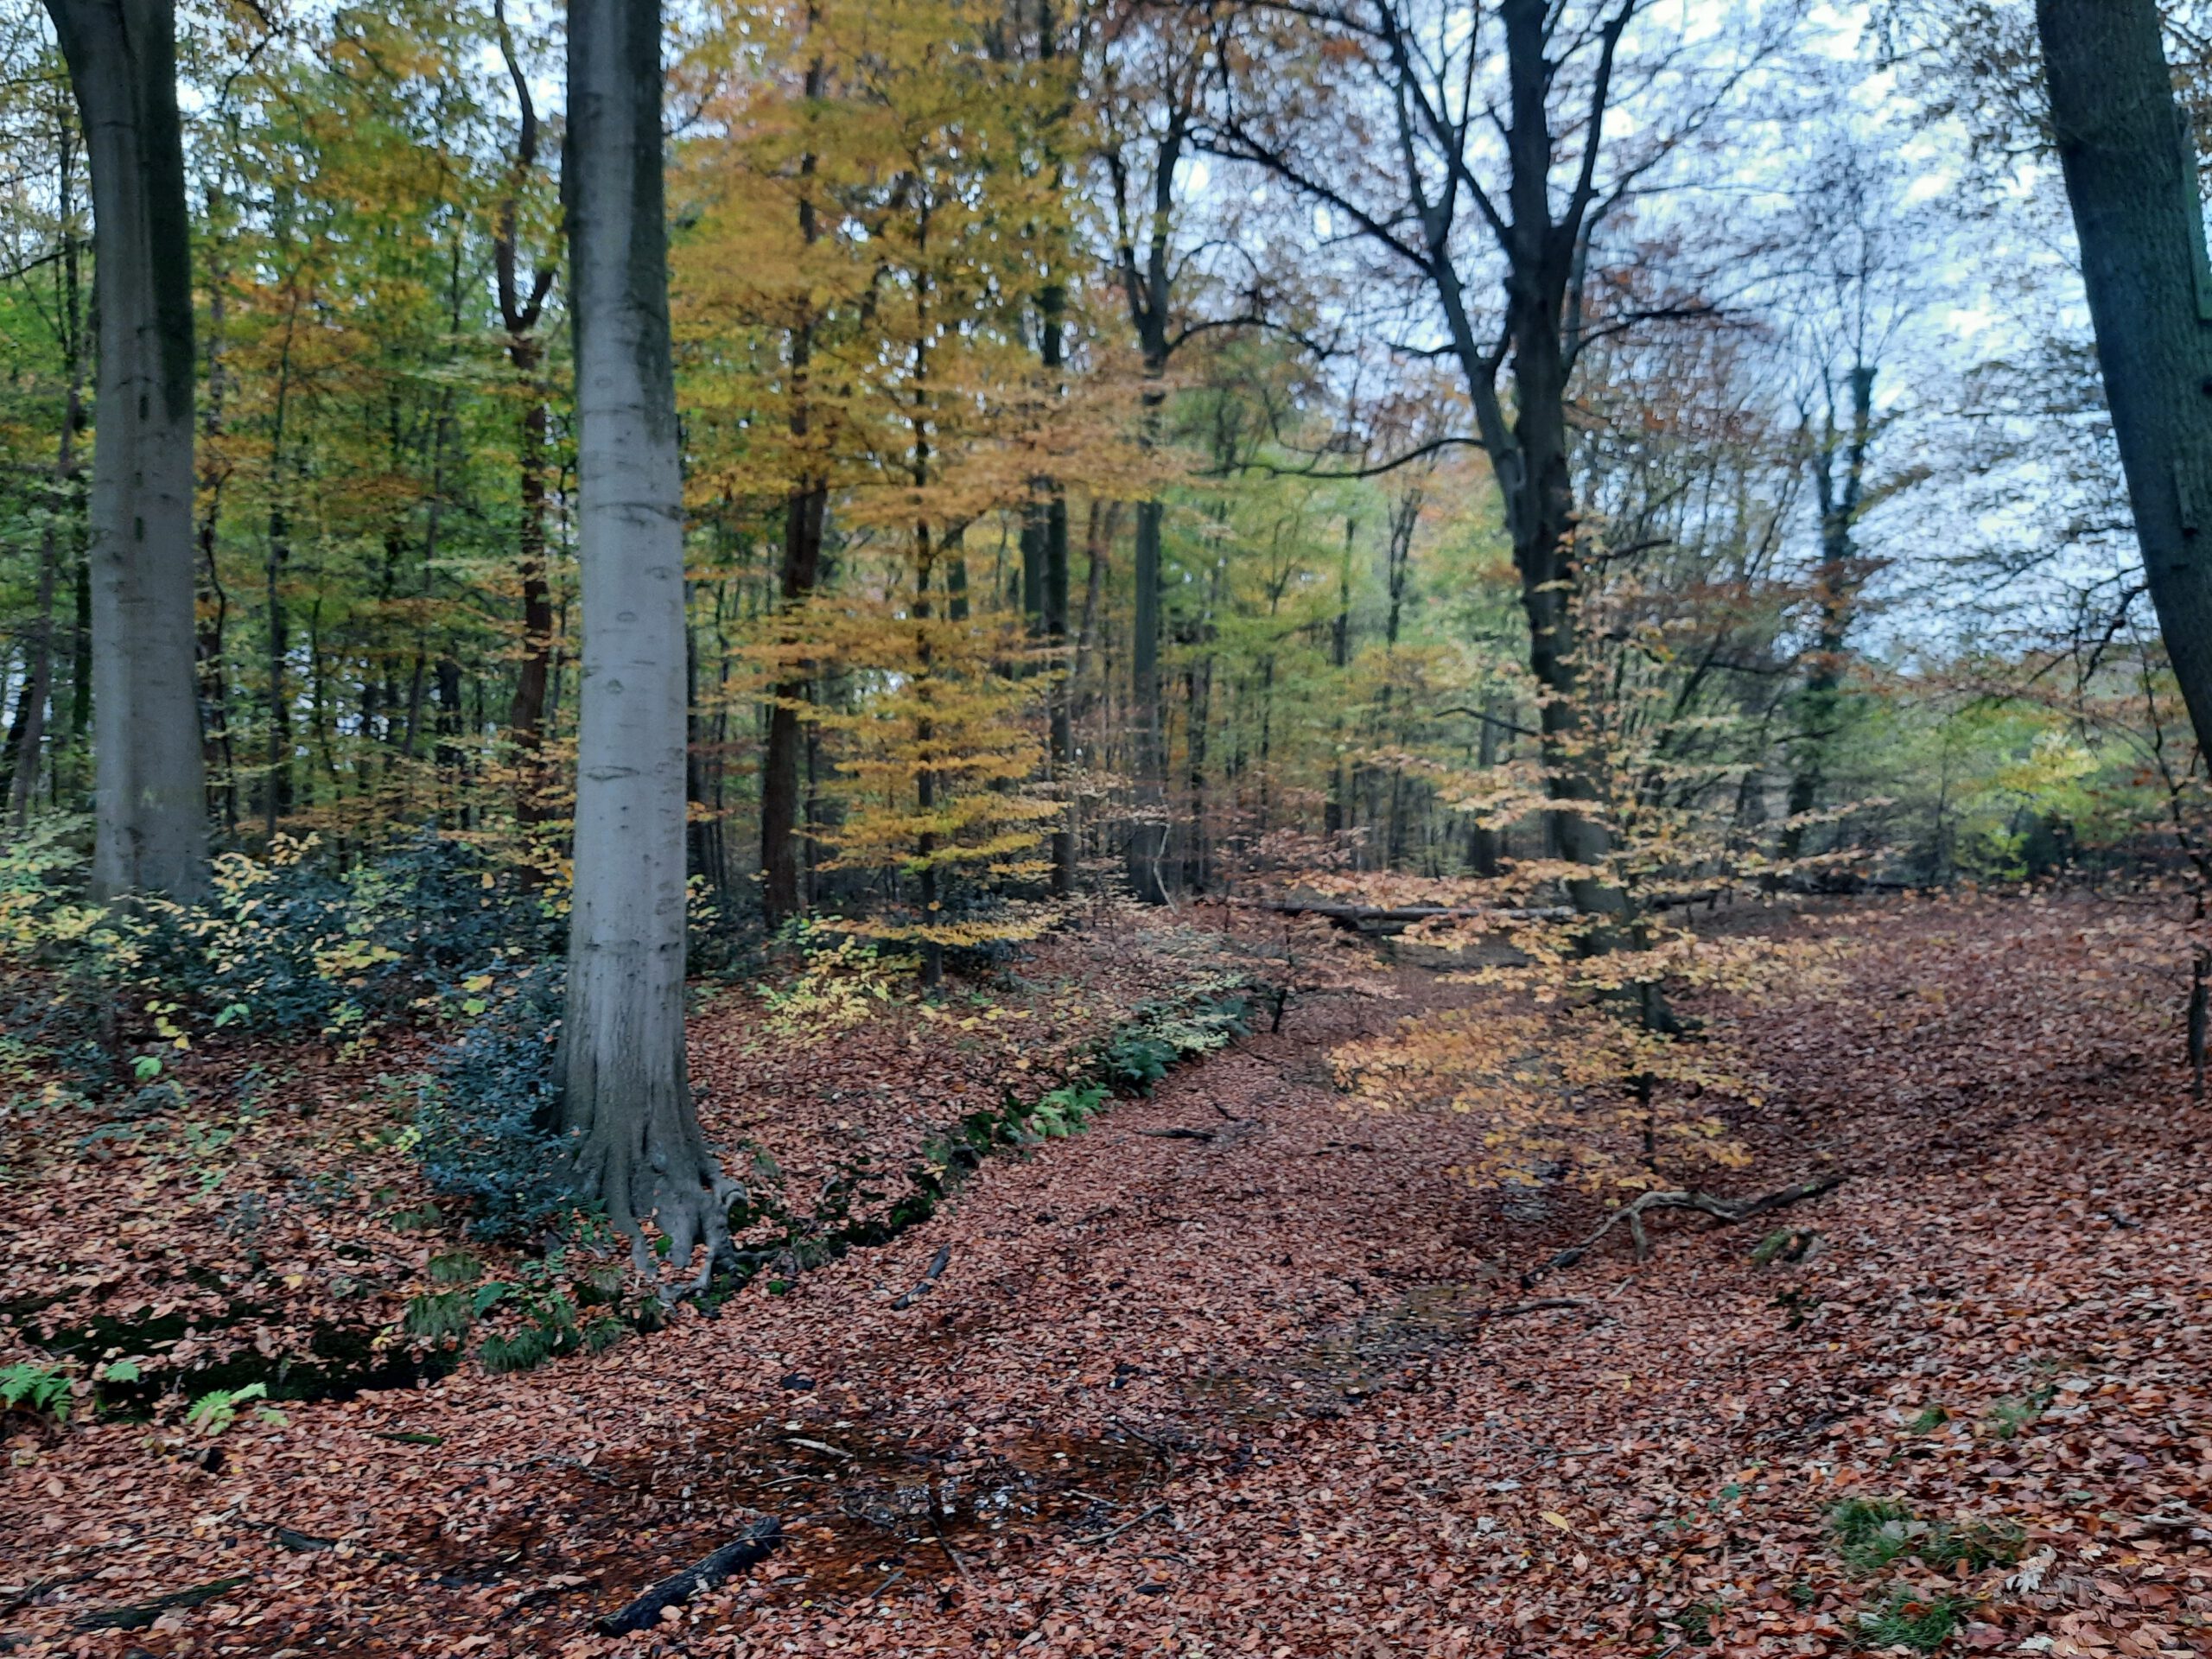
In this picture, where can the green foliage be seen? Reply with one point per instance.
(1067, 1110)
(1906, 1618)
(1871, 1534)
(1162, 1032)
(293, 942)
(214, 1412)
(534, 1313)
(35, 1389)
(485, 1109)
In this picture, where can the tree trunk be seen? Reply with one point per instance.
(1836, 582)
(29, 735)
(150, 805)
(627, 1097)
(2131, 175)
(519, 312)
(783, 866)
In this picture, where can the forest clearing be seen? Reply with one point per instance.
(1306, 828)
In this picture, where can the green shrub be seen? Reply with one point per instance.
(486, 1107)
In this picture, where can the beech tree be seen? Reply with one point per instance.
(149, 780)
(627, 1095)
(2130, 172)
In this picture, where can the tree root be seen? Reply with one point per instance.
(1728, 1212)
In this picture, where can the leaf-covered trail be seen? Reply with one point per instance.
(1269, 1387)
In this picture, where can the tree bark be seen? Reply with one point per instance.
(1839, 480)
(627, 1097)
(519, 314)
(783, 866)
(29, 735)
(2131, 176)
(149, 787)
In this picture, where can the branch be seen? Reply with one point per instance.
(748, 1548)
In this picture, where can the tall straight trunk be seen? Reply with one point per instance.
(1332, 813)
(1052, 559)
(2131, 176)
(627, 1097)
(277, 789)
(211, 645)
(806, 505)
(149, 782)
(29, 735)
(519, 314)
(925, 778)
(1148, 831)
(1839, 482)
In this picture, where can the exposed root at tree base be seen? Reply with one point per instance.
(1728, 1212)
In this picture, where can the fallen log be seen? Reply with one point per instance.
(1728, 1212)
(140, 1614)
(748, 1550)
(1388, 915)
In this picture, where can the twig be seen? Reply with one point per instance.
(1115, 1532)
(1728, 1212)
(928, 1280)
(952, 1554)
(897, 1574)
(1179, 1135)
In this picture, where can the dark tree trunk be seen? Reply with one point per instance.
(1839, 481)
(519, 314)
(783, 869)
(28, 734)
(2131, 176)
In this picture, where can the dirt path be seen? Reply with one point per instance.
(1241, 1370)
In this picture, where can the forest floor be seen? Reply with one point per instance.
(1246, 1368)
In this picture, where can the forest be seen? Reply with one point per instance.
(1329, 828)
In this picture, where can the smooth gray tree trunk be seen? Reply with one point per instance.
(149, 776)
(2132, 177)
(627, 1095)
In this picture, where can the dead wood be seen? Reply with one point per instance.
(140, 1614)
(927, 1282)
(748, 1550)
(1179, 1133)
(1728, 1212)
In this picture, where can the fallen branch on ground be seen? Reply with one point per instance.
(1179, 1135)
(139, 1615)
(1726, 1211)
(927, 1282)
(745, 1550)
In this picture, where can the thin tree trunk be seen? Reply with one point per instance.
(28, 737)
(783, 865)
(627, 1097)
(519, 312)
(150, 802)
(1836, 583)
(2131, 176)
